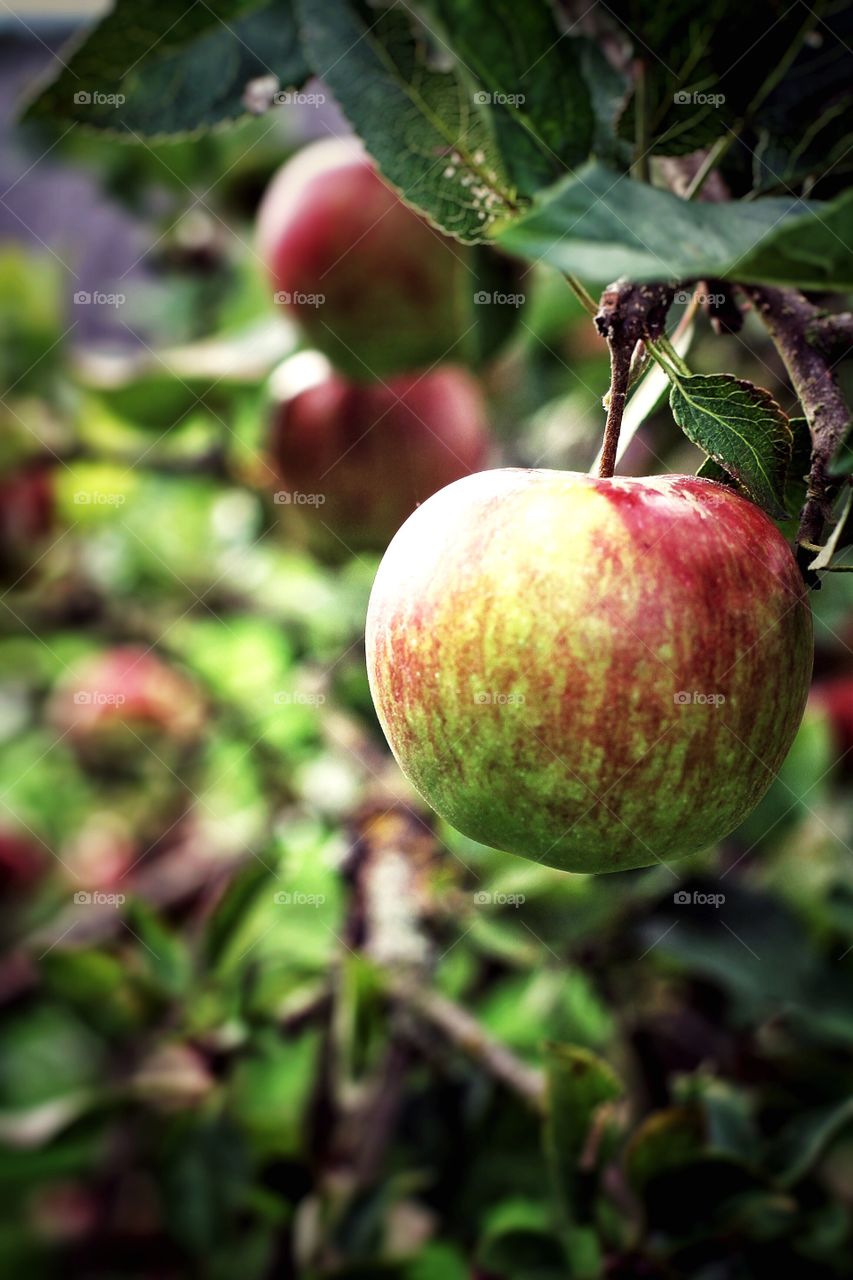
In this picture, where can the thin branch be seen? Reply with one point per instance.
(789, 318)
(465, 1032)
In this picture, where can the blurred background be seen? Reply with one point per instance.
(213, 874)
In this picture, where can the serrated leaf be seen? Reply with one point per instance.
(543, 117)
(428, 135)
(142, 70)
(600, 225)
(742, 428)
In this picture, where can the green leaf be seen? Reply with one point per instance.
(600, 225)
(805, 1139)
(423, 127)
(578, 1083)
(145, 70)
(742, 428)
(542, 112)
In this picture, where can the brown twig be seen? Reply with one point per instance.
(832, 334)
(465, 1032)
(790, 318)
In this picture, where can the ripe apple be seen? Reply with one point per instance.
(372, 284)
(354, 459)
(595, 673)
(122, 698)
(23, 861)
(26, 516)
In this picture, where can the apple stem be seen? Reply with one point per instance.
(620, 380)
(628, 314)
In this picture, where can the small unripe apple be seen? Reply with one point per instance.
(121, 698)
(371, 284)
(353, 460)
(595, 673)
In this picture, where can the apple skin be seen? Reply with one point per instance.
(372, 452)
(397, 294)
(529, 633)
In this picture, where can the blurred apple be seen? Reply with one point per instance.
(23, 861)
(124, 699)
(372, 284)
(354, 460)
(26, 517)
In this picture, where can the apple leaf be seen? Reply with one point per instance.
(542, 111)
(578, 1083)
(742, 428)
(424, 127)
(600, 225)
(144, 71)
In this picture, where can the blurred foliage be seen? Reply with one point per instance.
(210, 1065)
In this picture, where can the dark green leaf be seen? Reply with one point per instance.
(578, 1086)
(742, 428)
(804, 1140)
(599, 225)
(542, 113)
(148, 70)
(426, 132)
